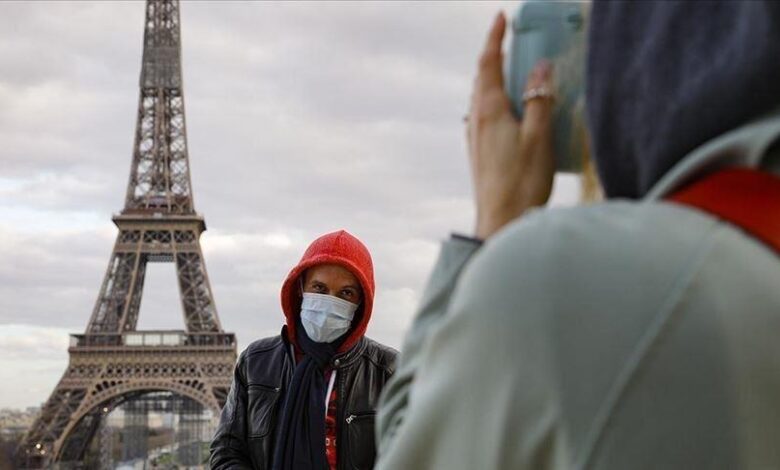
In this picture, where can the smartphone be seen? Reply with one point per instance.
(556, 31)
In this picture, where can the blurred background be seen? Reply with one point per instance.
(302, 118)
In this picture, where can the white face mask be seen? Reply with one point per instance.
(325, 317)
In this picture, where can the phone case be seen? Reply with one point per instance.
(553, 30)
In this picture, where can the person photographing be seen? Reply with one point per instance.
(635, 333)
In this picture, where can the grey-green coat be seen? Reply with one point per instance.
(623, 335)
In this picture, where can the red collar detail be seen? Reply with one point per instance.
(749, 199)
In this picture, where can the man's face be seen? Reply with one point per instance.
(335, 280)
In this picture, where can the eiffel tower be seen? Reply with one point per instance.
(113, 363)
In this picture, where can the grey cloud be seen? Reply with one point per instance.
(302, 118)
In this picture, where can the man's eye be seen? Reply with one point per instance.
(347, 293)
(318, 287)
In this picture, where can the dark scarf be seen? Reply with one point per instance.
(300, 443)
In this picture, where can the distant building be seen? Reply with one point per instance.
(15, 422)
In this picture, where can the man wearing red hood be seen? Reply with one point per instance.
(306, 399)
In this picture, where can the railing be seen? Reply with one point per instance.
(169, 338)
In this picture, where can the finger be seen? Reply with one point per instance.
(537, 112)
(490, 73)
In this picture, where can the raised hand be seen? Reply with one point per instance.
(512, 162)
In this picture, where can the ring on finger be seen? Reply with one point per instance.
(538, 92)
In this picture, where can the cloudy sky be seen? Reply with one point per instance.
(302, 119)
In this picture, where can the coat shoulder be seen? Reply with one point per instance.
(263, 345)
(381, 355)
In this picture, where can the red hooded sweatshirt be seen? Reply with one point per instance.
(333, 248)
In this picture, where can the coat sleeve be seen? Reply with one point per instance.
(395, 398)
(473, 389)
(229, 447)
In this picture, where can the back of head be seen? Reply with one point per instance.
(667, 76)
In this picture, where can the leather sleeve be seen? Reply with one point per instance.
(229, 448)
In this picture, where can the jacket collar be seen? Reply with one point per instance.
(349, 356)
(744, 147)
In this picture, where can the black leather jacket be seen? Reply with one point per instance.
(247, 428)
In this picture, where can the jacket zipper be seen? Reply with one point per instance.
(351, 418)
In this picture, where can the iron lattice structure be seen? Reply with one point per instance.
(127, 438)
(111, 362)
